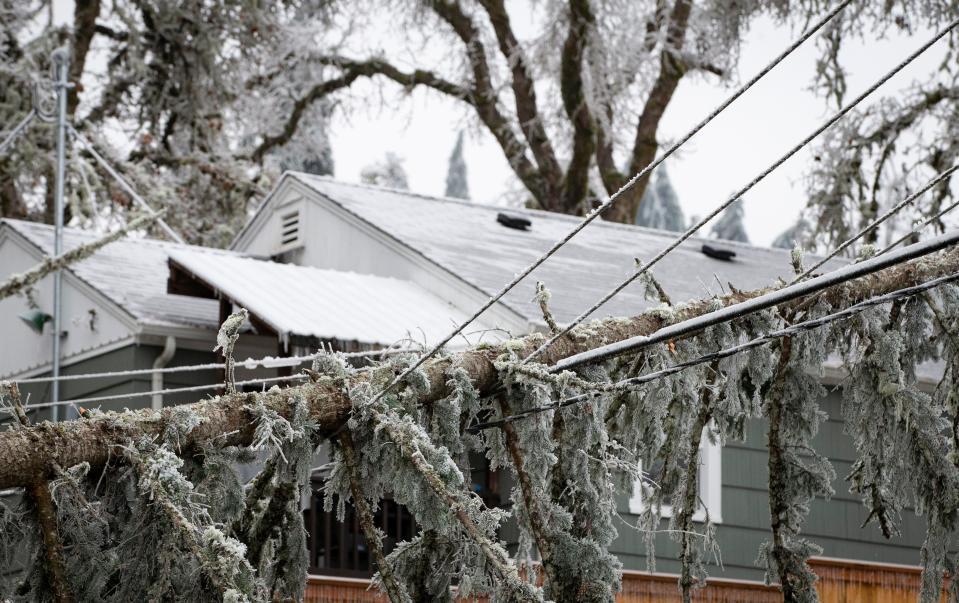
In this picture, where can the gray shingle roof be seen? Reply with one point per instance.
(132, 273)
(466, 239)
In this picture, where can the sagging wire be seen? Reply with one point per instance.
(17, 131)
(127, 188)
(267, 362)
(920, 226)
(172, 390)
(627, 385)
(738, 194)
(597, 211)
(875, 223)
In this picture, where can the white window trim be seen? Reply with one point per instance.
(710, 483)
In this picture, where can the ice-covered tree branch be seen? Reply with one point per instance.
(391, 583)
(227, 420)
(645, 145)
(20, 282)
(523, 84)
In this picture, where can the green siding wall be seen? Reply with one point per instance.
(832, 524)
(132, 357)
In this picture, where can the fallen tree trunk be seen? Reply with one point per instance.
(30, 454)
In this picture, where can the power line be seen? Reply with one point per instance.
(17, 130)
(808, 325)
(267, 362)
(737, 195)
(173, 390)
(595, 213)
(915, 230)
(872, 225)
(124, 184)
(762, 302)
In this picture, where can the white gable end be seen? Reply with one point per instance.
(91, 322)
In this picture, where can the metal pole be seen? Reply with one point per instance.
(61, 60)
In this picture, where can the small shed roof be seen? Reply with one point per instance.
(326, 304)
(466, 239)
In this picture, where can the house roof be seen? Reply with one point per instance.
(327, 304)
(466, 239)
(132, 273)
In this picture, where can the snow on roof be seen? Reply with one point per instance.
(132, 273)
(327, 304)
(466, 239)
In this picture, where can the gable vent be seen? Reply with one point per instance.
(290, 229)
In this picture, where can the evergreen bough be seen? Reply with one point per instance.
(166, 517)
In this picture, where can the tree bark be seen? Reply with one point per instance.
(47, 518)
(46, 511)
(524, 92)
(789, 584)
(32, 452)
(85, 15)
(391, 583)
(537, 522)
(576, 181)
(684, 520)
(645, 146)
(484, 97)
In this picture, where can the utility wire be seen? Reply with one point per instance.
(762, 302)
(875, 223)
(266, 362)
(596, 212)
(738, 194)
(123, 183)
(173, 390)
(16, 131)
(915, 230)
(627, 385)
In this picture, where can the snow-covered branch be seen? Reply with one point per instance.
(227, 420)
(20, 282)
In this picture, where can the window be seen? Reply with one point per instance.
(709, 480)
(340, 548)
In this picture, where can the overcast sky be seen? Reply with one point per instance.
(772, 117)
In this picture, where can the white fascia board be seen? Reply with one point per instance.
(148, 330)
(111, 346)
(200, 340)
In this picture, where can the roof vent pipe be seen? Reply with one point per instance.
(169, 349)
(718, 253)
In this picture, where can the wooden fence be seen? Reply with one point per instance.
(840, 581)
